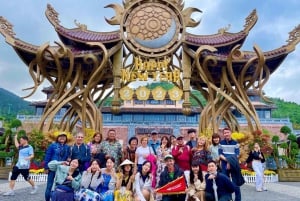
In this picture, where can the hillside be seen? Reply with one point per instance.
(11, 105)
(287, 110)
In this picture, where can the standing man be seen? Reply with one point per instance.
(170, 173)
(182, 155)
(217, 184)
(154, 142)
(80, 151)
(229, 152)
(193, 140)
(22, 166)
(58, 151)
(111, 147)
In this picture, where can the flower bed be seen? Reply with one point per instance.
(250, 176)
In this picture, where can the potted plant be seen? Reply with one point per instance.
(288, 159)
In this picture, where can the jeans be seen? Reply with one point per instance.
(50, 180)
(258, 168)
(237, 192)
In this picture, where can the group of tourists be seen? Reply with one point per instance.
(102, 170)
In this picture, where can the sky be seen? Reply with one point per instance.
(276, 18)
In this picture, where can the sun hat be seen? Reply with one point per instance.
(126, 162)
(62, 134)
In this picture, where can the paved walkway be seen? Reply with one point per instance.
(280, 191)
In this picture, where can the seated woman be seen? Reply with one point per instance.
(125, 180)
(143, 182)
(108, 181)
(196, 189)
(67, 179)
(89, 183)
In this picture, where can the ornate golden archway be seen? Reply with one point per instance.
(152, 44)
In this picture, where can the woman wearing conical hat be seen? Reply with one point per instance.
(125, 182)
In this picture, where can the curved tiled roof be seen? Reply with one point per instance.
(88, 36)
(215, 40)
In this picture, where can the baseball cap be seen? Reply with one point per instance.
(154, 132)
(191, 130)
(169, 156)
(179, 137)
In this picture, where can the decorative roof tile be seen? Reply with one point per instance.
(89, 36)
(215, 40)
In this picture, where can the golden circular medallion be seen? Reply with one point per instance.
(152, 29)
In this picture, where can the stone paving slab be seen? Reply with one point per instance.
(279, 191)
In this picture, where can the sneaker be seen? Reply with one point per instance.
(34, 190)
(265, 189)
(259, 190)
(9, 193)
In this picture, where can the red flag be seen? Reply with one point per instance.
(177, 186)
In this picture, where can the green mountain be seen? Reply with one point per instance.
(287, 110)
(11, 105)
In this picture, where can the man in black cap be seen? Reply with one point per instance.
(154, 142)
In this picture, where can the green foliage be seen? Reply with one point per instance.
(15, 123)
(285, 129)
(164, 85)
(284, 145)
(291, 150)
(21, 132)
(2, 146)
(275, 139)
(36, 140)
(287, 110)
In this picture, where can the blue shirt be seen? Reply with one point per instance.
(56, 151)
(154, 145)
(24, 152)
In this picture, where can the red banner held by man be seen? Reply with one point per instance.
(177, 186)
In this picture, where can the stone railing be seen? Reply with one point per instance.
(268, 178)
